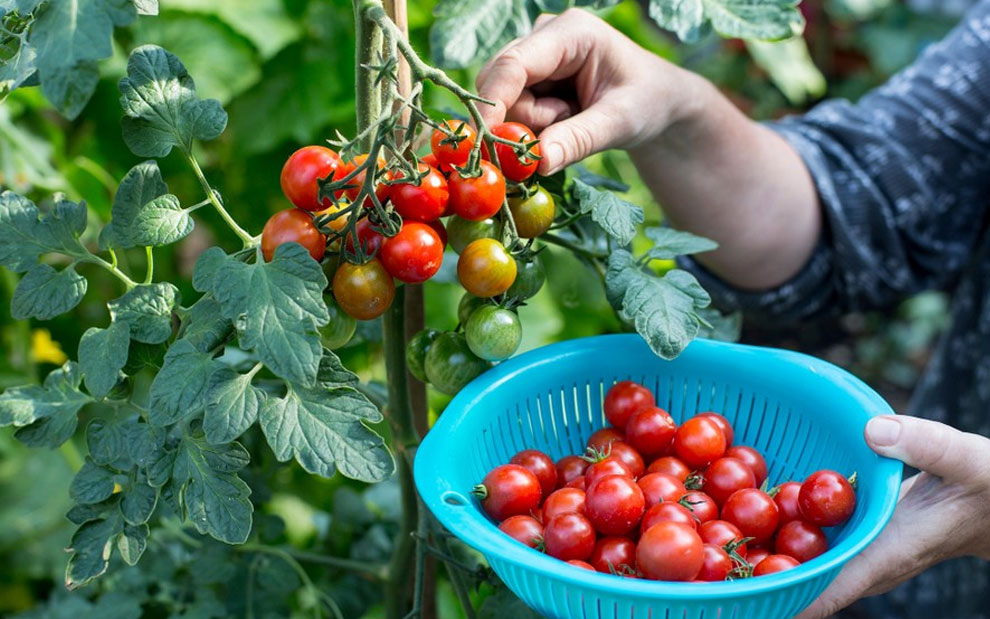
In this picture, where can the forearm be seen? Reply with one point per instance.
(718, 174)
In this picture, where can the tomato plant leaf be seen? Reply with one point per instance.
(276, 307)
(206, 268)
(142, 184)
(107, 442)
(616, 216)
(44, 293)
(83, 512)
(27, 232)
(131, 542)
(232, 405)
(669, 243)
(147, 309)
(747, 19)
(138, 503)
(102, 354)
(332, 372)
(69, 88)
(91, 546)
(161, 222)
(160, 105)
(47, 412)
(724, 327)
(214, 499)
(664, 310)
(18, 69)
(686, 18)
(92, 484)
(204, 326)
(68, 32)
(324, 429)
(466, 31)
(179, 389)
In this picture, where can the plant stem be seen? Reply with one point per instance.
(369, 47)
(94, 259)
(211, 195)
(375, 570)
(577, 249)
(151, 265)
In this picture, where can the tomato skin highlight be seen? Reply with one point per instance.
(754, 512)
(477, 198)
(826, 499)
(570, 468)
(716, 565)
(773, 564)
(569, 537)
(301, 171)
(540, 465)
(650, 431)
(670, 551)
(726, 475)
(800, 540)
(671, 466)
(510, 490)
(424, 202)
(667, 512)
(623, 399)
(512, 167)
(787, 502)
(414, 255)
(485, 268)
(753, 459)
(658, 487)
(613, 555)
(698, 442)
(364, 291)
(524, 529)
(446, 150)
(292, 226)
(563, 501)
(614, 504)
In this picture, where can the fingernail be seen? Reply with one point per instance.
(883, 431)
(553, 155)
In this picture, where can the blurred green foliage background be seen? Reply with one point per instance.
(284, 70)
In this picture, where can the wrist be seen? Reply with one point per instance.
(693, 109)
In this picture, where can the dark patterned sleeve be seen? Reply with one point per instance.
(903, 177)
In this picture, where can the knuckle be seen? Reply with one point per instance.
(583, 141)
(934, 446)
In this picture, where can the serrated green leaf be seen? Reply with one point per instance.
(664, 310)
(18, 69)
(108, 443)
(48, 411)
(324, 430)
(146, 443)
(276, 307)
(92, 484)
(206, 268)
(102, 354)
(724, 327)
(138, 503)
(161, 107)
(616, 216)
(332, 372)
(214, 498)
(68, 32)
(69, 88)
(205, 326)
(468, 31)
(747, 19)
(27, 232)
(231, 405)
(45, 293)
(161, 222)
(147, 309)
(669, 243)
(179, 389)
(131, 542)
(81, 513)
(141, 185)
(91, 546)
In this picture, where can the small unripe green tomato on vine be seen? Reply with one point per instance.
(461, 231)
(493, 333)
(341, 327)
(416, 351)
(530, 278)
(450, 364)
(466, 307)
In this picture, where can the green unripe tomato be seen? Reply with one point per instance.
(530, 277)
(493, 333)
(450, 364)
(416, 352)
(341, 327)
(466, 307)
(461, 231)
(533, 215)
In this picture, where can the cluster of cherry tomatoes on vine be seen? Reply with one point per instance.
(454, 198)
(651, 499)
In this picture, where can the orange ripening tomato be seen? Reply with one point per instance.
(292, 226)
(485, 268)
(363, 291)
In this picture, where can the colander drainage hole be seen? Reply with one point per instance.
(453, 498)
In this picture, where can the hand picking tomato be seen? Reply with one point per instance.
(699, 441)
(725, 476)
(614, 555)
(425, 200)
(292, 226)
(752, 458)
(826, 499)
(453, 147)
(477, 197)
(414, 255)
(651, 431)
(515, 168)
(667, 512)
(509, 490)
(754, 512)
(364, 291)
(623, 399)
(563, 501)
(614, 504)
(670, 551)
(485, 268)
(773, 564)
(800, 540)
(569, 537)
(524, 529)
(540, 465)
(301, 171)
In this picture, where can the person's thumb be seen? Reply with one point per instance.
(928, 445)
(574, 138)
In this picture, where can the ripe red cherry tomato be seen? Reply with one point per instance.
(453, 147)
(650, 431)
(614, 504)
(300, 172)
(773, 564)
(509, 490)
(671, 466)
(787, 502)
(659, 487)
(800, 540)
(570, 468)
(581, 483)
(699, 441)
(414, 255)
(629, 456)
(601, 439)
(440, 229)
(723, 424)
(606, 466)
(755, 555)
(623, 399)
(563, 501)
(485, 268)
(667, 512)
(725, 476)
(292, 226)
(424, 201)
(614, 555)
(539, 464)
(826, 499)
(724, 535)
(514, 168)
(701, 505)
(369, 238)
(670, 551)
(477, 197)
(569, 537)
(584, 565)
(363, 291)
(716, 566)
(524, 529)
(382, 190)
(752, 458)
(754, 512)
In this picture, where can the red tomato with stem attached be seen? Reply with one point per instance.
(786, 499)
(659, 487)
(539, 464)
(650, 431)
(601, 439)
(724, 535)
(726, 475)
(382, 190)
(363, 291)
(369, 238)
(515, 168)
(723, 425)
(414, 255)
(801, 540)
(477, 197)
(301, 171)
(623, 399)
(453, 147)
(701, 505)
(569, 537)
(716, 565)
(509, 490)
(629, 456)
(671, 466)
(614, 555)
(754, 512)
(524, 529)
(614, 504)
(670, 551)
(570, 468)
(752, 458)
(773, 564)
(667, 512)
(423, 201)
(292, 226)
(699, 441)
(563, 501)
(826, 499)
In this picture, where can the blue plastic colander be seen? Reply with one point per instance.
(803, 414)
